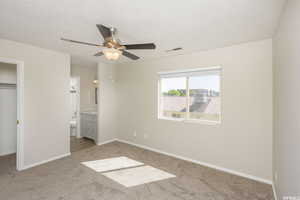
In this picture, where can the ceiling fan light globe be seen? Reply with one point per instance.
(112, 54)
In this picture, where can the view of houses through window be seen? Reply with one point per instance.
(192, 95)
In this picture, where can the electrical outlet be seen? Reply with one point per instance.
(145, 136)
(134, 133)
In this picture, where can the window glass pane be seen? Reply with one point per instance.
(204, 98)
(173, 97)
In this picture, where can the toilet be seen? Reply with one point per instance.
(73, 127)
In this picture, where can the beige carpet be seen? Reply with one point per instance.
(68, 179)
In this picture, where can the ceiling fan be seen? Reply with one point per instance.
(113, 47)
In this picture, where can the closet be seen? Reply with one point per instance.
(8, 109)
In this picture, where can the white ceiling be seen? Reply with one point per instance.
(192, 24)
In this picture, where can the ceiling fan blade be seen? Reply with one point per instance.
(99, 54)
(78, 42)
(130, 55)
(105, 31)
(140, 46)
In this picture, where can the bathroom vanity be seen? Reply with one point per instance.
(88, 125)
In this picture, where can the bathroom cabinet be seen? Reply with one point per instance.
(88, 125)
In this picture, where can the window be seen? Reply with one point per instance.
(190, 95)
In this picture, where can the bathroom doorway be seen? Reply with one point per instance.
(11, 113)
(77, 142)
(75, 107)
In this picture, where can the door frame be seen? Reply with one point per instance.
(20, 110)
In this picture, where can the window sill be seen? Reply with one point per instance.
(206, 122)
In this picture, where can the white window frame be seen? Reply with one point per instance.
(187, 119)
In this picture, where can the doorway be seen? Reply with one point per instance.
(11, 111)
(75, 106)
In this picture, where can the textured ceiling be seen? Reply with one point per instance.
(193, 24)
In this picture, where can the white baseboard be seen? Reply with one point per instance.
(172, 155)
(45, 161)
(106, 142)
(201, 163)
(58, 157)
(274, 191)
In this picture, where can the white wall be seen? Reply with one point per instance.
(243, 142)
(8, 73)
(107, 109)
(87, 89)
(46, 100)
(286, 104)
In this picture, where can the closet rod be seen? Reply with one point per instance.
(8, 85)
